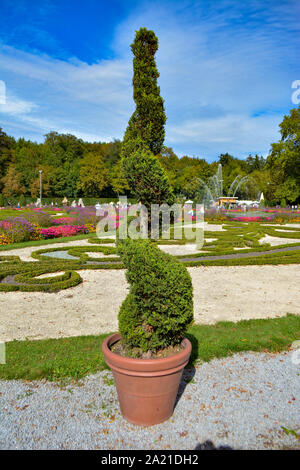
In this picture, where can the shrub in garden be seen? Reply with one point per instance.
(148, 179)
(159, 307)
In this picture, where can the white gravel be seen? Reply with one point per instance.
(276, 241)
(221, 293)
(240, 402)
(177, 250)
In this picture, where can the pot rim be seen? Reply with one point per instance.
(114, 360)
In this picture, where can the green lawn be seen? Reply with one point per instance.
(4, 213)
(73, 358)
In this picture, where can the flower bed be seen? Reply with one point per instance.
(63, 231)
(18, 229)
(38, 217)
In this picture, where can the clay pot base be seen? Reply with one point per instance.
(147, 388)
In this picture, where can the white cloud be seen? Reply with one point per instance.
(16, 107)
(235, 134)
(90, 101)
(225, 77)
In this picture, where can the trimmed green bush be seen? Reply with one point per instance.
(9, 258)
(147, 178)
(159, 307)
(100, 241)
(24, 277)
(81, 252)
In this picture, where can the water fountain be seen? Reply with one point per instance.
(212, 190)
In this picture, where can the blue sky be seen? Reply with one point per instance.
(226, 69)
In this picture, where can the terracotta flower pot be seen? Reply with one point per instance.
(147, 388)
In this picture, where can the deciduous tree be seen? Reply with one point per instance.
(93, 176)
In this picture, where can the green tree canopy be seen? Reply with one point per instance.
(12, 185)
(93, 175)
(7, 151)
(284, 160)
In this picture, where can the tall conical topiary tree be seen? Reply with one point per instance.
(145, 132)
(159, 307)
(147, 121)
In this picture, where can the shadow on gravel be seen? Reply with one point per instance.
(187, 377)
(209, 445)
(189, 370)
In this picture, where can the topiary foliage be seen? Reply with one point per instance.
(147, 121)
(148, 179)
(159, 307)
(145, 132)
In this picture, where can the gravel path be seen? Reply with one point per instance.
(241, 402)
(221, 293)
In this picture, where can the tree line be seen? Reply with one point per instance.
(74, 168)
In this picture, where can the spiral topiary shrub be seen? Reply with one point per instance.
(159, 307)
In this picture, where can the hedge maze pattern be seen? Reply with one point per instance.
(17, 275)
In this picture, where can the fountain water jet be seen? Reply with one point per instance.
(213, 189)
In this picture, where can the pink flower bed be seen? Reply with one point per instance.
(63, 231)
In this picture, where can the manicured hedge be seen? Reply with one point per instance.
(81, 251)
(236, 235)
(23, 278)
(159, 307)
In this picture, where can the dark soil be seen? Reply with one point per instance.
(122, 350)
